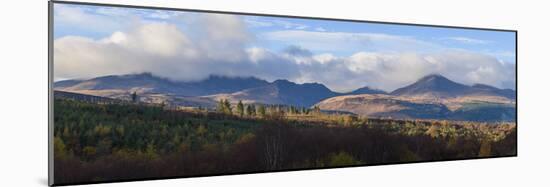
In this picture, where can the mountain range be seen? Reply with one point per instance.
(148, 83)
(431, 97)
(281, 92)
(248, 89)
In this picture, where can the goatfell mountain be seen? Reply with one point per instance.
(431, 97)
(440, 87)
(435, 85)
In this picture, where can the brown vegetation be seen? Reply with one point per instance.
(95, 142)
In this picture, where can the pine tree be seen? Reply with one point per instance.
(248, 110)
(261, 110)
(220, 107)
(252, 110)
(240, 108)
(317, 110)
(227, 107)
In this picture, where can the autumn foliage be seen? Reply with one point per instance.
(103, 142)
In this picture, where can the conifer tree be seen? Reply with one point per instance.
(261, 110)
(240, 108)
(227, 107)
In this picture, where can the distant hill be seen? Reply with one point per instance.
(281, 92)
(380, 105)
(222, 84)
(141, 83)
(366, 90)
(435, 85)
(431, 97)
(152, 88)
(66, 83)
(438, 86)
(144, 83)
(84, 97)
(485, 111)
(483, 89)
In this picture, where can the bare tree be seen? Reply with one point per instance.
(273, 144)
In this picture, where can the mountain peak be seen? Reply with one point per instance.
(282, 81)
(435, 78)
(366, 90)
(224, 77)
(142, 74)
(434, 75)
(434, 84)
(286, 84)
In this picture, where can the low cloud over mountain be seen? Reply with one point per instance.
(190, 47)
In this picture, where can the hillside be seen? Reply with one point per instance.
(366, 90)
(431, 97)
(149, 83)
(281, 92)
(196, 93)
(438, 86)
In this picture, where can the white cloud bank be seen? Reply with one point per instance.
(221, 44)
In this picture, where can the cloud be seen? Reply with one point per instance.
(320, 29)
(253, 21)
(290, 25)
(348, 41)
(165, 50)
(99, 21)
(467, 40)
(222, 45)
(106, 11)
(122, 53)
(163, 14)
(297, 51)
(224, 36)
(85, 19)
(389, 71)
(160, 39)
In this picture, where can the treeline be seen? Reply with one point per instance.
(262, 110)
(124, 141)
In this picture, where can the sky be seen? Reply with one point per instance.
(92, 41)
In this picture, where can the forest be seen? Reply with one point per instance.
(124, 141)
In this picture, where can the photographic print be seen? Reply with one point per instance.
(152, 93)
